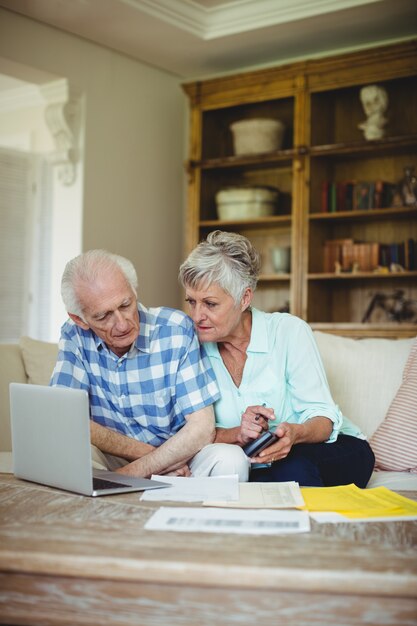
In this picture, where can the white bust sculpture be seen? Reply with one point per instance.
(375, 102)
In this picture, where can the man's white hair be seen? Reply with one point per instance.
(86, 267)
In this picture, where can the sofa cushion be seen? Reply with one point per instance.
(39, 358)
(364, 375)
(395, 440)
(12, 370)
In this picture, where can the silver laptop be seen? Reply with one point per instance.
(51, 442)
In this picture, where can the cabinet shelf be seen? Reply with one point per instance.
(354, 149)
(361, 275)
(388, 145)
(393, 330)
(270, 278)
(388, 213)
(268, 158)
(259, 222)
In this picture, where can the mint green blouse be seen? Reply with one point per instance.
(283, 370)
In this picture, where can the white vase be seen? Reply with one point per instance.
(281, 259)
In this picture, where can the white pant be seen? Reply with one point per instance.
(215, 459)
(221, 459)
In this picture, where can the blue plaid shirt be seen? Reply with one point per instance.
(146, 393)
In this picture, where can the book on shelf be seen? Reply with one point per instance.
(336, 196)
(356, 195)
(403, 253)
(347, 255)
(365, 256)
(333, 253)
(344, 195)
(410, 254)
(332, 197)
(383, 195)
(362, 199)
(349, 187)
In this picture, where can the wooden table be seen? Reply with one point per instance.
(68, 559)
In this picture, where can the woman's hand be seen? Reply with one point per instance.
(287, 435)
(254, 422)
(314, 430)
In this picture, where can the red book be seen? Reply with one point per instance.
(379, 194)
(324, 196)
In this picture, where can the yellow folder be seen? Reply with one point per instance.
(350, 501)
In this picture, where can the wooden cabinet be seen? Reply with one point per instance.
(319, 103)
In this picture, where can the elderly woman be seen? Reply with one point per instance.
(269, 372)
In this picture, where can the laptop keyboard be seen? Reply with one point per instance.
(102, 483)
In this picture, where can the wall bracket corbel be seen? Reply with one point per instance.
(62, 115)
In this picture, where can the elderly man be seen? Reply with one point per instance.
(151, 391)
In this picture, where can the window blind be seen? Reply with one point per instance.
(25, 218)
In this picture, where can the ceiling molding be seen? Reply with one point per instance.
(204, 38)
(237, 16)
(183, 14)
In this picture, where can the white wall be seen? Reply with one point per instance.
(25, 129)
(133, 176)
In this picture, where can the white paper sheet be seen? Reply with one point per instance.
(323, 517)
(285, 495)
(242, 521)
(194, 489)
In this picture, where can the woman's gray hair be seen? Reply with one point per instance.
(227, 259)
(86, 268)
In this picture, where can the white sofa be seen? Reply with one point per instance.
(364, 376)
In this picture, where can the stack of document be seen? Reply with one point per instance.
(349, 503)
(227, 506)
(269, 508)
(226, 491)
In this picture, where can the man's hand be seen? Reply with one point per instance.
(198, 431)
(183, 471)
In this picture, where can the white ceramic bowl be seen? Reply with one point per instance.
(257, 136)
(240, 203)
